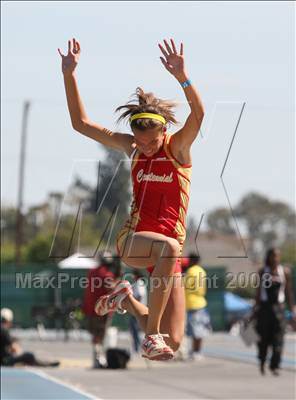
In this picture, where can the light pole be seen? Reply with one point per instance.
(19, 215)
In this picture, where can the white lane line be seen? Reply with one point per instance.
(44, 375)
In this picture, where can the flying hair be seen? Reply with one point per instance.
(147, 103)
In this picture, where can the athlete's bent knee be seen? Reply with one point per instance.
(172, 248)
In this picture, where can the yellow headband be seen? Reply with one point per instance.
(148, 115)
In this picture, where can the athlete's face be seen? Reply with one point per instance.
(148, 141)
(275, 258)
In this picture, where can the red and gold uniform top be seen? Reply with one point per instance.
(160, 194)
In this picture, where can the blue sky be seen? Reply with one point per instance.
(235, 52)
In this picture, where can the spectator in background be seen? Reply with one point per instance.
(99, 283)
(140, 294)
(198, 320)
(10, 350)
(275, 290)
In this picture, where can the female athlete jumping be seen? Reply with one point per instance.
(161, 169)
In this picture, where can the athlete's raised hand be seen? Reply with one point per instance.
(70, 60)
(172, 60)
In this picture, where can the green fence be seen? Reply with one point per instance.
(22, 300)
(32, 287)
(22, 291)
(215, 296)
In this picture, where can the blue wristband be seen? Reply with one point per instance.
(186, 84)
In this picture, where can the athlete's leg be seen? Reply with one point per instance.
(146, 249)
(173, 319)
(137, 309)
(197, 344)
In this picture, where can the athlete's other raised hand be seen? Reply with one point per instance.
(70, 60)
(172, 60)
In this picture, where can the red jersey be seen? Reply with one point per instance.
(160, 194)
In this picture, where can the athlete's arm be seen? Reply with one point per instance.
(79, 118)
(174, 63)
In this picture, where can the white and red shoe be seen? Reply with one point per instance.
(155, 348)
(112, 302)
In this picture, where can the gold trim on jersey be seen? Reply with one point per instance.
(184, 176)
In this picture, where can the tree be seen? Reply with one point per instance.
(88, 228)
(111, 198)
(113, 179)
(288, 251)
(268, 222)
(38, 249)
(8, 223)
(97, 212)
(221, 220)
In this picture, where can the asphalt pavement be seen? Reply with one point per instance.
(227, 371)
